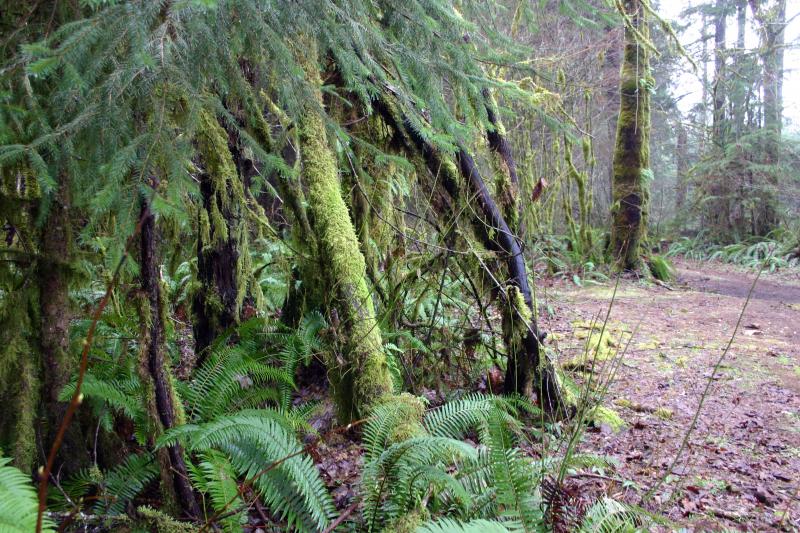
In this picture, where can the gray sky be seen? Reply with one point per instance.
(688, 82)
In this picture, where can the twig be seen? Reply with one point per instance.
(342, 517)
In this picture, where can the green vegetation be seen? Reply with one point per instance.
(289, 263)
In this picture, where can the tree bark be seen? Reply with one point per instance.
(54, 307)
(719, 126)
(773, 25)
(155, 351)
(681, 167)
(632, 149)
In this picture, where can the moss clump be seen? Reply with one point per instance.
(660, 268)
(153, 520)
(663, 413)
(623, 402)
(603, 416)
(410, 410)
(599, 346)
(409, 522)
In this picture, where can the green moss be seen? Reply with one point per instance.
(411, 409)
(623, 402)
(631, 161)
(224, 220)
(154, 520)
(26, 407)
(599, 346)
(363, 378)
(664, 413)
(603, 416)
(660, 268)
(408, 522)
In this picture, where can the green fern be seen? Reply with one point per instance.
(262, 448)
(124, 482)
(610, 516)
(446, 525)
(18, 502)
(215, 478)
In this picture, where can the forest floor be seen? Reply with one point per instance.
(741, 467)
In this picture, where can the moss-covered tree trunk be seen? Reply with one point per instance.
(360, 376)
(55, 313)
(632, 150)
(163, 403)
(224, 270)
(681, 167)
(772, 22)
(505, 166)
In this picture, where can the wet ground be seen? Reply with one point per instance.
(740, 469)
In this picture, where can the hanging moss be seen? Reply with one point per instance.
(363, 377)
(224, 265)
(583, 235)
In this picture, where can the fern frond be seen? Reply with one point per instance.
(214, 476)
(18, 502)
(262, 448)
(446, 525)
(124, 395)
(124, 482)
(610, 516)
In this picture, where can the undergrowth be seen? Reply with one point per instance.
(779, 250)
(466, 465)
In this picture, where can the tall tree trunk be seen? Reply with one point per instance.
(704, 104)
(681, 167)
(166, 405)
(719, 126)
(632, 149)
(740, 84)
(772, 21)
(360, 376)
(527, 371)
(54, 306)
(223, 262)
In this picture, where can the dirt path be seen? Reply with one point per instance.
(741, 468)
